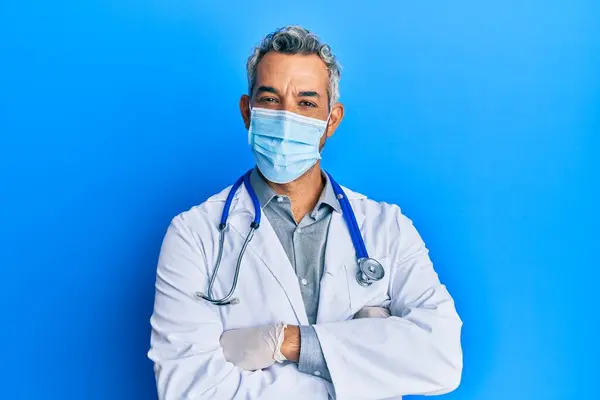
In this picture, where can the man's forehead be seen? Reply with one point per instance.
(277, 68)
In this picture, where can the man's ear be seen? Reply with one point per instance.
(336, 116)
(245, 109)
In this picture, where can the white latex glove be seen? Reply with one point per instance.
(373, 312)
(254, 348)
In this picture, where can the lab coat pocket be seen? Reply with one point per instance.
(375, 295)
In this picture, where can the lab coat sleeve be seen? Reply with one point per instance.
(188, 360)
(415, 351)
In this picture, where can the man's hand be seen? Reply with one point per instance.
(255, 348)
(373, 312)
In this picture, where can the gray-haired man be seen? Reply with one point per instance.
(413, 347)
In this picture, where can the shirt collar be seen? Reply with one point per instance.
(265, 193)
(328, 196)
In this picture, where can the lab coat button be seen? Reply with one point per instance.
(304, 281)
(318, 373)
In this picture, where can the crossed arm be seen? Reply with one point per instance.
(255, 348)
(295, 335)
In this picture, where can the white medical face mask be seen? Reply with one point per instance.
(285, 144)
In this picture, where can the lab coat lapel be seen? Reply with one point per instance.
(268, 248)
(334, 295)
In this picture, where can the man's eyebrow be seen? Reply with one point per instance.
(309, 93)
(267, 89)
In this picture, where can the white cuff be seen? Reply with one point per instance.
(278, 356)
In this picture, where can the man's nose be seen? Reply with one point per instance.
(288, 104)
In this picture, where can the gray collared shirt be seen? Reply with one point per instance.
(304, 243)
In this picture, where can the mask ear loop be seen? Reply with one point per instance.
(327, 123)
(325, 131)
(250, 122)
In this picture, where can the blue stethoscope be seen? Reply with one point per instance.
(369, 269)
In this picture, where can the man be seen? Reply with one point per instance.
(304, 327)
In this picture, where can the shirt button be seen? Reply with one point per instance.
(299, 230)
(279, 199)
(317, 373)
(304, 281)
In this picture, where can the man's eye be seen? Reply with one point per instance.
(305, 103)
(268, 99)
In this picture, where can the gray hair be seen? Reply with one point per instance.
(296, 40)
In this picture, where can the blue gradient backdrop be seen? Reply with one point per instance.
(480, 119)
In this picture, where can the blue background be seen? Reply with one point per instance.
(480, 119)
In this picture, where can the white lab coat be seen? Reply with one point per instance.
(416, 351)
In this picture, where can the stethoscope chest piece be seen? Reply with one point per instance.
(369, 271)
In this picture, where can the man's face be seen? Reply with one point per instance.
(296, 83)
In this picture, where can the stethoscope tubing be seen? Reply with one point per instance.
(347, 212)
(353, 229)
